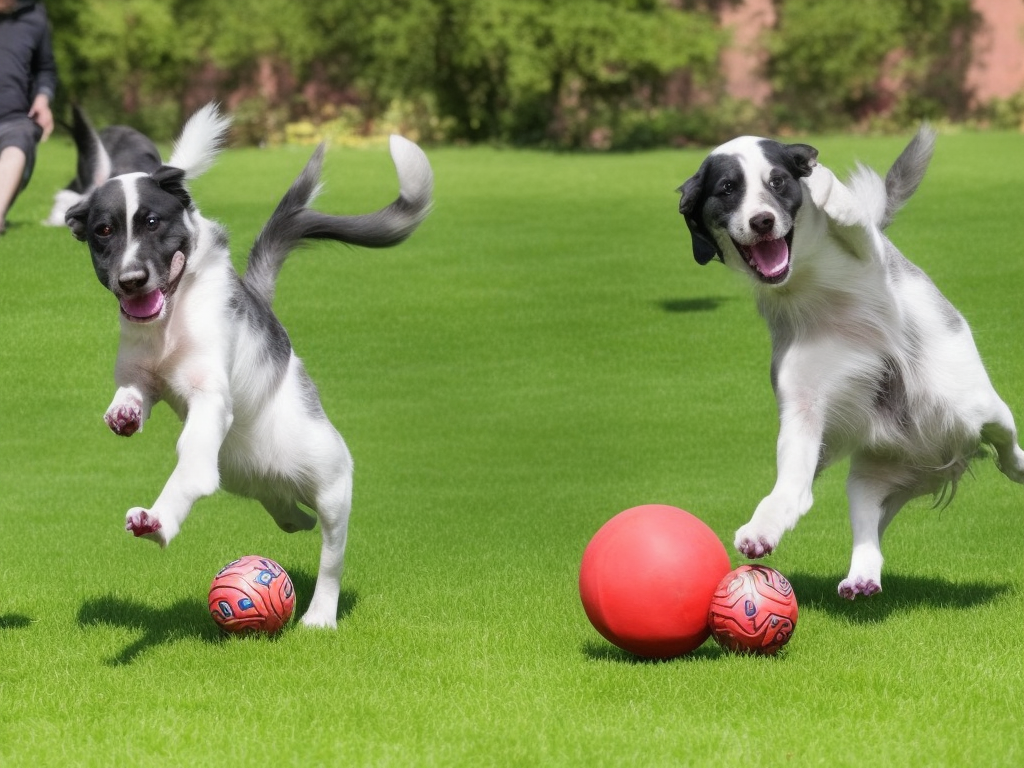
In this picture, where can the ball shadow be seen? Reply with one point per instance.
(596, 650)
(184, 620)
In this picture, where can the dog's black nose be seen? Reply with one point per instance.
(762, 223)
(133, 280)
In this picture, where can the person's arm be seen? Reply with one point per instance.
(44, 74)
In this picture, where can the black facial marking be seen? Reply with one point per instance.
(790, 162)
(798, 159)
(157, 229)
(711, 195)
(101, 221)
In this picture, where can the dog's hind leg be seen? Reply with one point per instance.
(333, 505)
(875, 496)
(288, 516)
(1001, 434)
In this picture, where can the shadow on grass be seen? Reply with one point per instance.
(14, 621)
(900, 594)
(694, 304)
(597, 650)
(185, 620)
(304, 584)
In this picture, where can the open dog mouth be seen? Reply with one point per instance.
(149, 306)
(769, 258)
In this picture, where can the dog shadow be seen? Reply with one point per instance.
(184, 620)
(14, 621)
(693, 304)
(900, 594)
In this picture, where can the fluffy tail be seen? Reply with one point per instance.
(200, 140)
(293, 220)
(907, 172)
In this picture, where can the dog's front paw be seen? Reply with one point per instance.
(124, 416)
(850, 587)
(320, 621)
(819, 184)
(753, 544)
(142, 523)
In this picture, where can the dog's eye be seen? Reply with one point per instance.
(152, 222)
(728, 188)
(103, 230)
(776, 183)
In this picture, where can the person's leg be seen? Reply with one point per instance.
(18, 139)
(12, 174)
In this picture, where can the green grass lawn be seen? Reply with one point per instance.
(541, 355)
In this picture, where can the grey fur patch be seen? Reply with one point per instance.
(891, 395)
(310, 396)
(248, 308)
(901, 268)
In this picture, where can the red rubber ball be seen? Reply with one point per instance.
(754, 610)
(647, 579)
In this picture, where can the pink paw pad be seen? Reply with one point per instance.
(124, 420)
(849, 589)
(755, 549)
(141, 523)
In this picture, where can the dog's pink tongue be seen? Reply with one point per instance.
(771, 256)
(143, 306)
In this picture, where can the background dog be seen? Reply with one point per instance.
(868, 358)
(113, 151)
(195, 334)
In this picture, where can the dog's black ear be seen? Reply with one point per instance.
(704, 247)
(172, 180)
(76, 218)
(804, 157)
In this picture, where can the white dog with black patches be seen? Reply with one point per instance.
(113, 151)
(869, 359)
(195, 334)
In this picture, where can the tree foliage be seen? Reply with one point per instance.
(531, 70)
(606, 73)
(834, 60)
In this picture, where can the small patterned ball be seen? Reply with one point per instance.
(753, 610)
(252, 595)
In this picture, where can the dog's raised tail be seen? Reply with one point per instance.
(293, 220)
(94, 164)
(201, 139)
(907, 172)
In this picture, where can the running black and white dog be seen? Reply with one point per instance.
(869, 359)
(195, 334)
(112, 151)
